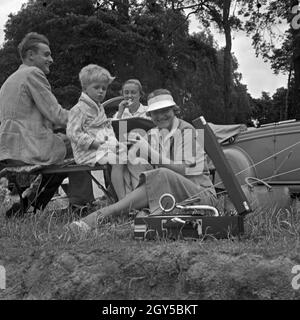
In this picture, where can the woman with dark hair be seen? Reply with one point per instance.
(178, 165)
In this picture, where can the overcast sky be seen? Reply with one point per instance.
(257, 75)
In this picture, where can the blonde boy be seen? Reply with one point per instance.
(91, 134)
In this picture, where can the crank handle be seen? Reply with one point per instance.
(201, 207)
(178, 220)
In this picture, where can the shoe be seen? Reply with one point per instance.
(82, 211)
(78, 211)
(79, 227)
(16, 210)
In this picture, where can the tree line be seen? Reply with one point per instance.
(148, 40)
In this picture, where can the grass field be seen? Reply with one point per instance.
(43, 261)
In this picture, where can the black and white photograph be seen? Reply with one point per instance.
(149, 154)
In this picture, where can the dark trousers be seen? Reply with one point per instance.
(80, 189)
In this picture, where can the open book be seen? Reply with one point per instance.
(125, 126)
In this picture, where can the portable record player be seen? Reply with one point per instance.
(122, 127)
(186, 221)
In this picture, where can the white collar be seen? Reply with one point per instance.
(141, 109)
(90, 101)
(163, 133)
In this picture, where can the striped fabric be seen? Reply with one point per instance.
(88, 122)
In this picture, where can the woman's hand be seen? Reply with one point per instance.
(122, 105)
(148, 154)
(141, 149)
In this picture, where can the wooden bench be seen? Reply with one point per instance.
(16, 173)
(73, 167)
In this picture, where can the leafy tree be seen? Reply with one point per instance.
(146, 40)
(88, 36)
(270, 109)
(279, 104)
(223, 14)
(262, 107)
(258, 18)
(262, 25)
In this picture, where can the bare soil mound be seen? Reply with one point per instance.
(43, 262)
(126, 269)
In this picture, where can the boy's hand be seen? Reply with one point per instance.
(62, 136)
(97, 143)
(122, 146)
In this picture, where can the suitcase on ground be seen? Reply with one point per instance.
(184, 224)
(184, 227)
